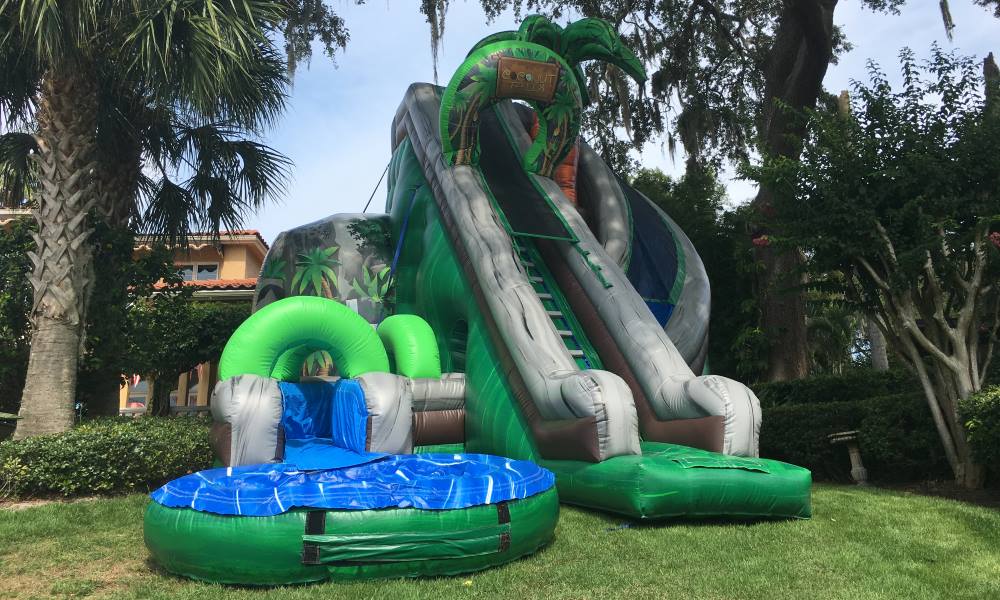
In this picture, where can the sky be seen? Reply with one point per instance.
(336, 128)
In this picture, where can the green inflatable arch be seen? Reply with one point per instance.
(275, 340)
(412, 344)
(479, 83)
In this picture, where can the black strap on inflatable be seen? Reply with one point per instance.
(315, 525)
(503, 513)
(503, 518)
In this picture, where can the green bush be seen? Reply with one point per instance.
(856, 384)
(105, 456)
(981, 415)
(796, 433)
(899, 441)
(896, 435)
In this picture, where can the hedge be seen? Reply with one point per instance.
(981, 415)
(856, 384)
(896, 435)
(105, 456)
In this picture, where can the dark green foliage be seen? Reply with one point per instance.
(896, 206)
(694, 201)
(309, 21)
(117, 279)
(123, 285)
(104, 457)
(981, 415)
(796, 433)
(858, 384)
(896, 435)
(15, 303)
(898, 439)
(170, 334)
(15, 168)
(920, 170)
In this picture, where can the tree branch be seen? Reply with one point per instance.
(873, 274)
(936, 295)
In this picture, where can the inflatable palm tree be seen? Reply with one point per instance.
(538, 63)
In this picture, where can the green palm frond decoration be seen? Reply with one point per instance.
(538, 29)
(596, 39)
(530, 53)
(314, 270)
(473, 87)
(318, 363)
(376, 285)
(274, 268)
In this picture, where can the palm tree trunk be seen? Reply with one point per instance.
(117, 176)
(62, 258)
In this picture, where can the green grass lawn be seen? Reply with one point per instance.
(862, 543)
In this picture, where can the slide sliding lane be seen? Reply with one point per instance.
(514, 275)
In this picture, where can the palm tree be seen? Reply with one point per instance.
(315, 269)
(86, 75)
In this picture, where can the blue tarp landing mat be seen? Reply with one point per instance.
(426, 481)
(319, 453)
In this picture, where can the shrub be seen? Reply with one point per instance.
(856, 384)
(796, 433)
(981, 415)
(896, 435)
(105, 456)
(899, 441)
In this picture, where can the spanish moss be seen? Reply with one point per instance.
(435, 11)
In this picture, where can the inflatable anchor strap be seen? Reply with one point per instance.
(321, 548)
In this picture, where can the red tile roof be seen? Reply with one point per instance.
(248, 283)
(252, 232)
(222, 234)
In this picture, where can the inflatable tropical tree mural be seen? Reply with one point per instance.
(314, 269)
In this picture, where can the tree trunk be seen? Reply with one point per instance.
(159, 398)
(880, 355)
(796, 65)
(968, 473)
(62, 259)
(940, 384)
(117, 176)
(783, 317)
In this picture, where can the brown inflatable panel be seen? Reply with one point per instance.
(706, 433)
(439, 427)
(220, 438)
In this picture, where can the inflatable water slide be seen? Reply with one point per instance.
(417, 389)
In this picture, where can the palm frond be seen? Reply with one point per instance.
(169, 209)
(224, 175)
(212, 58)
(20, 72)
(17, 176)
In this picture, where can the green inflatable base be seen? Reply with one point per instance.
(353, 545)
(678, 481)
